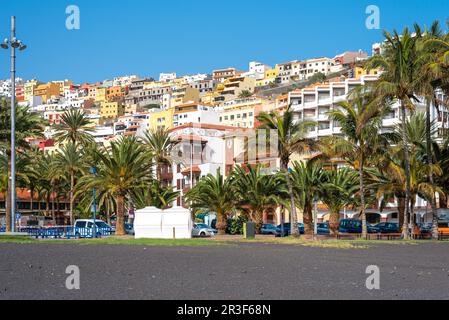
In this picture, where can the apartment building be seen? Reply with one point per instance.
(28, 88)
(162, 119)
(257, 70)
(184, 94)
(242, 112)
(111, 110)
(314, 103)
(144, 92)
(194, 113)
(167, 77)
(47, 91)
(233, 87)
(221, 75)
(201, 150)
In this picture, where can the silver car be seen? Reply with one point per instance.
(203, 230)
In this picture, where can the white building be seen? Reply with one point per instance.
(314, 103)
(194, 113)
(167, 77)
(257, 70)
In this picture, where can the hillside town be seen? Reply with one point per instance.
(210, 115)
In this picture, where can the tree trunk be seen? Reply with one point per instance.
(221, 223)
(405, 230)
(120, 225)
(433, 204)
(72, 184)
(308, 220)
(32, 200)
(294, 214)
(53, 205)
(334, 222)
(362, 199)
(401, 209)
(108, 214)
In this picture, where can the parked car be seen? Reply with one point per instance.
(287, 229)
(355, 226)
(129, 228)
(268, 229)
(203, 230)
(388, 227)
(324, 229)
(425, 228)
(84, 228)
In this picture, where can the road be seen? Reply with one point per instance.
(237, 272)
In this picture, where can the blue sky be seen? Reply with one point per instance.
(146, 37)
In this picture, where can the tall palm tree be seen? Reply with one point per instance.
(401, 67)
(308, 179)
(360, 119)
(257, 191)
(214, 194)
(75, 127)
(292, 138)
(70, 161)
(28, 125)
(434, 52)
(125, 169)
(160, 144)
(339, 188)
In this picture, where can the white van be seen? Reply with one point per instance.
(83, 228)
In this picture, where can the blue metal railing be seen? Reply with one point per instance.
(63, 232)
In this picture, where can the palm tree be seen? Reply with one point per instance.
(292, 138)
(339, 189)
(161, 145)
(28, 125)
(75, 127)
(401, 65)
(156, 196)
(70, 161)
(308, 179)
(245, 94)
(257, 191)
(126, 168)
(214, 194)
(360, 119)
(434, 52)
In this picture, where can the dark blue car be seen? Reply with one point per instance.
(355, 226)
(287, 229)
(388, 227)
(323, 229)
(268, 229)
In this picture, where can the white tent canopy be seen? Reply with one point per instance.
(153, 223)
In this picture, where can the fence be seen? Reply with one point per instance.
(63, 232)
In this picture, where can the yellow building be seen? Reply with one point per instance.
(64, 84)
(47, 91)
(359, 72)
(184, 94)
(100, 95)
(111, 110)
(28, 89)
(162, 119)
(270, 77)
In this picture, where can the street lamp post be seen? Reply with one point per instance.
(14, 43)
